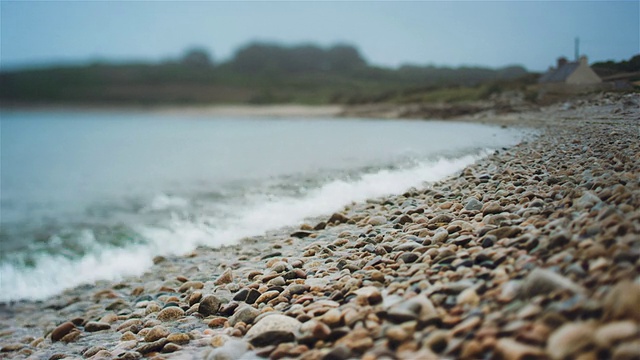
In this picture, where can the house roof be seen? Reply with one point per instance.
(561, 74)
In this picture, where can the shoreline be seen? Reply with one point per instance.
(242, 110)
(427, 274)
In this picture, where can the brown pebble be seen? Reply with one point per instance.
(195, 298)
(397, 334)
(542, 281)
(137, 291)
(371, 294)
(569, 340)
(217, 321)
(268, 295)
(627, 351)
(471, 350)
(72, 336)
(170, 314)
(466, 326)
(332, 317)
(171, 347)
(11, 347)
(128, 324)
(218, 340)
(273, 329)
(63, 329)
(93, 326)
(357, 340)
(209, 305)
(179, 338)
(128, 336)
(468, 297)
(152, 346)
(622, 302)
(376, 275)
(191, 285)
(109, 318)
(510, 349)
(225, 278)
(156, 333)
(611, 334)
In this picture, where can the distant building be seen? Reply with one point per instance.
(571, 73)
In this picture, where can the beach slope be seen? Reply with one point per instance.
(532, 252)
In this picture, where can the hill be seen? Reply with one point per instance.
(258, 73)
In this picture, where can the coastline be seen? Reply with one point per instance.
(544, 263)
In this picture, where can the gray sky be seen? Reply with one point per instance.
(388, 33)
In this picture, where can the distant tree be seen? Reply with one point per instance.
(265, 57)
(197, 57)
(258, 57)
(344, 58)
(631, 65)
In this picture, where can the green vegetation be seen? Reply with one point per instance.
(610, 67)
(259, 73)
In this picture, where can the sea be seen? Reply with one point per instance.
(96, 195)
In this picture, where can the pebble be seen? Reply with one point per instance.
(531, 252)
(371, 294)
(245, 314)
(542, 281)
(473, 205)
(628, 351)
(622, 301)
(189, 285)
(170, 347)
(62, 330)
(569, 340)
(272, 330)
(408, 257)
(338, 218)
(156, 333)
(225, 278)
(170, 314)
(178, 338)
(151, 346)
(93, 326)
(209, 305)
(267, 296)
(312, 331)
(101, 354)
(510, 349)
(127, 336)
(332, 317)
(492, 208)
(610, 334)
(416, 308)
(377, 220)
(468, 297)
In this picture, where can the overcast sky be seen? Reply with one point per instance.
(388, 33)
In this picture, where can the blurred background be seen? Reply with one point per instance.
(185, 53)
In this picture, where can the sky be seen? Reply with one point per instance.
(387, 33)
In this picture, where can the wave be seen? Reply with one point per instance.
(256, 214)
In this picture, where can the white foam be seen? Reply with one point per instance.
(53, 274)
(165, 202)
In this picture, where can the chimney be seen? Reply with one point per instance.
(562, 61)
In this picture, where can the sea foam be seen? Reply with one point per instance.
(178, 235)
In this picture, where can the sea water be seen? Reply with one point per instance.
(87, 196)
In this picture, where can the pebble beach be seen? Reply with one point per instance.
(530, 253)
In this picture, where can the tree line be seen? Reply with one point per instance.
(257, 73)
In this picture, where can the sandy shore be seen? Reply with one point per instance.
(257, 110)
(533, 252)
(280, 110)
